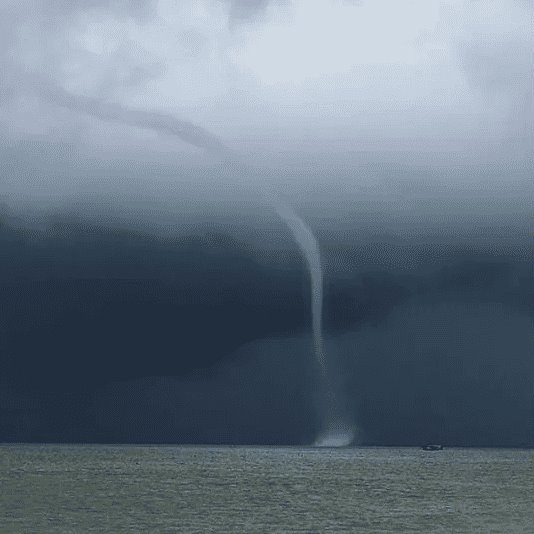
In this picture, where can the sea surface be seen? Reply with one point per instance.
(100, 488)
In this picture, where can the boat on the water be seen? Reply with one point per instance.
(432, 447)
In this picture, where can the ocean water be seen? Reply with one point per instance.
(85, 488)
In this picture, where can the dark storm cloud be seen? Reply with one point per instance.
(140, 294)
(246, 10)
(441, 350)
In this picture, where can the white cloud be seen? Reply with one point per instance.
(390, 75)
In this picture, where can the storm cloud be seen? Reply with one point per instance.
(243, 10)
(435, 82)
(136, 265)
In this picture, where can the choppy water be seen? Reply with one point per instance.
(49, 488)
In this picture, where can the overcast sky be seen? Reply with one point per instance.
(321, 78)
(401, 132)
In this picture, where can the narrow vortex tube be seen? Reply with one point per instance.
(310, 249)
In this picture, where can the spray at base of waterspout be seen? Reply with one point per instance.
(335, 437)
(337, 430)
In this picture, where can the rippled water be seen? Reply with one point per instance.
(49, 488)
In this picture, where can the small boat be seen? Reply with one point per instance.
(432, 447)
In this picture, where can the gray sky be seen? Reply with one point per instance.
(286, 82)
(400, 131)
